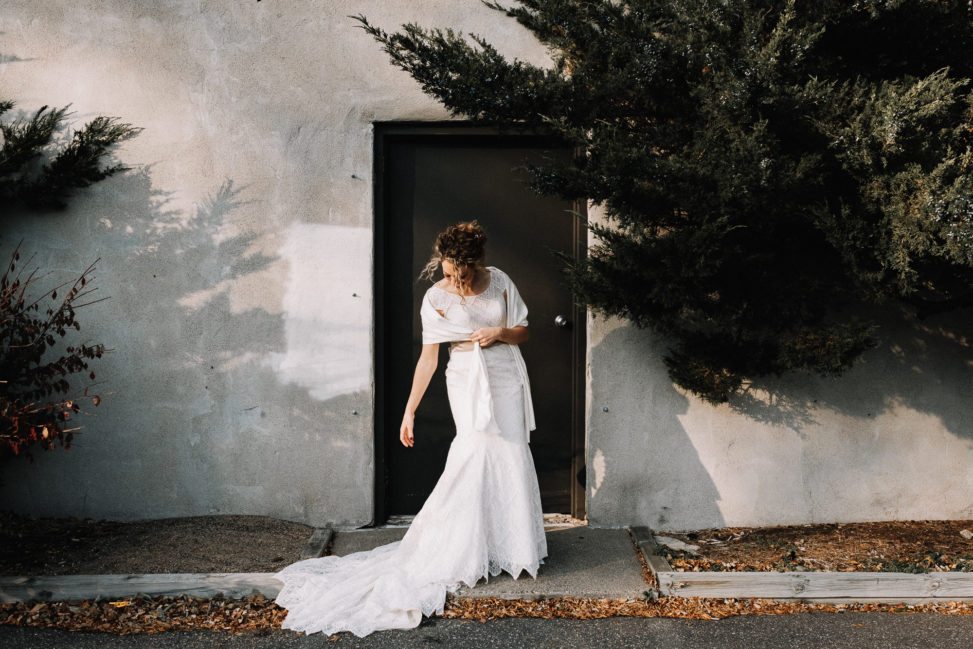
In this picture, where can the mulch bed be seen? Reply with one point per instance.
(898, 546)
(73, 546)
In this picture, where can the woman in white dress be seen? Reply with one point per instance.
(484, 515)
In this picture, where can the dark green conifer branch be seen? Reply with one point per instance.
(765, 167)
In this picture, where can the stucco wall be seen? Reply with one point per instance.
(891, 439)
(237, 254)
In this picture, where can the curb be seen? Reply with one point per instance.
(318, 543)
(819, 586)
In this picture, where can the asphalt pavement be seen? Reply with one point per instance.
(798, 631)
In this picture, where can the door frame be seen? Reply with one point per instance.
(385, 132)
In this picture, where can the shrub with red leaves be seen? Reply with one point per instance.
(38, 174)
(35, 407)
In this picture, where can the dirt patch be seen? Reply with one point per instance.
(74, 546)
(897, 546)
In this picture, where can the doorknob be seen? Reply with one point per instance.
(561, 321)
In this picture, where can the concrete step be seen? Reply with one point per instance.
(581, 562)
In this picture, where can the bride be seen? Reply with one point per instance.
(484, 515)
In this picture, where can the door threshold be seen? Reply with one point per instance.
(550, 520)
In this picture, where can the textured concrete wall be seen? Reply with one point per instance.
(237, 255)
(892, 439)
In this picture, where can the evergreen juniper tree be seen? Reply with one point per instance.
(764, 167)
(39, 175)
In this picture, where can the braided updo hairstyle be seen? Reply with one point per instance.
(463, 244)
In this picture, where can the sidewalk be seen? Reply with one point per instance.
(582, 562)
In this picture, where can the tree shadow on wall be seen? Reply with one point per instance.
(926, 366)
(200, 316)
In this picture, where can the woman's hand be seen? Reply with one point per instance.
(405, 431)
(487, 335)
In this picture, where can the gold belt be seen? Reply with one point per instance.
(467, 345)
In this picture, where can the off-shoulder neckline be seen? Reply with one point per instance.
(493, 271)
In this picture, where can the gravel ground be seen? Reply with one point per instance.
(72, 546)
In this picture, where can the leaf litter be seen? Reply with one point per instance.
(260, 615)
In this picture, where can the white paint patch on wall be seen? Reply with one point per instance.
(598, 468)
(327, 310)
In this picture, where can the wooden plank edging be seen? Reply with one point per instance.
(649, 548)
(816, 584)
(57, 588)
(820, 586)
(318, 543)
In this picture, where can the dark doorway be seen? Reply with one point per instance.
(427, 177)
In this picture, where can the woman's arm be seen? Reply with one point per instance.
(514, 335)
(489, 335)
(425, 368)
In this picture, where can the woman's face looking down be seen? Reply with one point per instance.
(461, 279)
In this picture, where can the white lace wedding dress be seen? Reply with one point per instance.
(484, 515)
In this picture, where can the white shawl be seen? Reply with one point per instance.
(438, 329)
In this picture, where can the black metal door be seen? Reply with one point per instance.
(432, 176)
